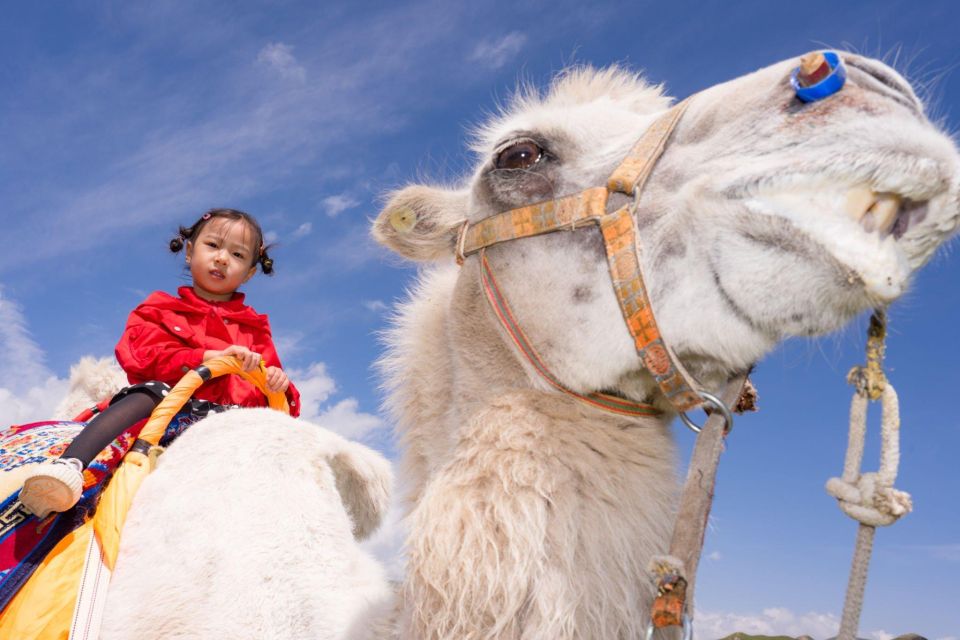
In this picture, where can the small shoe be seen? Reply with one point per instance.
(53, 486)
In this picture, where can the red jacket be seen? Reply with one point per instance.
(165, 337)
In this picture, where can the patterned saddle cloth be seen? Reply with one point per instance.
(25, 540)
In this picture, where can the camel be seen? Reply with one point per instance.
(235, 502)
(533, 513)
(207, 552)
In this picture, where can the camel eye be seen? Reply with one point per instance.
(521, 155)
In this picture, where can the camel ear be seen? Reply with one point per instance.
(364, 480)
(421, 223)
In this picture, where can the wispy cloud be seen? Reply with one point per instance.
(23, 360)
(375, 305)
(223, 135)
(337, 204)
(279, 57)
(28, 390)
(303, 230)
(497, 52)
(772, 621)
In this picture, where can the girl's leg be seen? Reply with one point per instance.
(57, 485)
(110, 423)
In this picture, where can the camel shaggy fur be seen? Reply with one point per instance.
(234, 502)
(207, 551)
(533, 515)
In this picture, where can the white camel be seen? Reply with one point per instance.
(532, 514)
(235, 503)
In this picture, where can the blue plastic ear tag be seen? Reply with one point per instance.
(826, 86)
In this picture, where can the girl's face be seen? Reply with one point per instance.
(221, 258)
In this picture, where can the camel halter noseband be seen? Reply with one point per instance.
(622, 250)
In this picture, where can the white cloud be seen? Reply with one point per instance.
(714, 555)
(279, 57)
(316, 387)
(29, 392)
(496, 53)
(880, 635)
(32, 405)
(303, 230)
(772, 621)
(375, 305)
(343, 418)
(23, 360)
(288, 344)
(337, 204)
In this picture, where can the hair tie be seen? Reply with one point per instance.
(205, 216)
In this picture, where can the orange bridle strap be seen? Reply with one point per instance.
(621, 244)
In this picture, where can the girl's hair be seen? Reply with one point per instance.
(260, 249)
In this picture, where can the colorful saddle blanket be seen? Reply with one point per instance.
(25, 540)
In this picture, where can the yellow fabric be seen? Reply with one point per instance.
(43, 608)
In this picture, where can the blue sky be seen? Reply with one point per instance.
(119, 121)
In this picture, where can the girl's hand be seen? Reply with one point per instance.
(277, 380)
(249, 360)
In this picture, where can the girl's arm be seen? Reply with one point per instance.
(147, 351)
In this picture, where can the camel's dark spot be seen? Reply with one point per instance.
(582, 294)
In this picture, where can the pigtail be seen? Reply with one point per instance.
(177, 242)
(266, 262)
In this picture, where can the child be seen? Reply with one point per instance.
(167, 336)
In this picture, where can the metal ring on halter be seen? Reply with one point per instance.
(717, 404)
(637, 192)
(687, 629)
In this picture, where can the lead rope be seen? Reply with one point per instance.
(675, 574)
(869, 498)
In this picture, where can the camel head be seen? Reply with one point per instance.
(765, 217)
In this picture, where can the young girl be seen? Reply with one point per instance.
(167, 336)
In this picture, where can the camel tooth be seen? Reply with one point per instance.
(885, 211)
(858, 203)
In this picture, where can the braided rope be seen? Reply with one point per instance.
(869, 498)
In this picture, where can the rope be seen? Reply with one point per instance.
(869, 498)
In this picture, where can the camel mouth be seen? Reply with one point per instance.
(883, 213)
(860, 226)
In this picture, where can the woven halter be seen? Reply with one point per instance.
(622, 249)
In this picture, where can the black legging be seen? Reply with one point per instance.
(122, 414)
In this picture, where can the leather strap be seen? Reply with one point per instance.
(621, 242)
